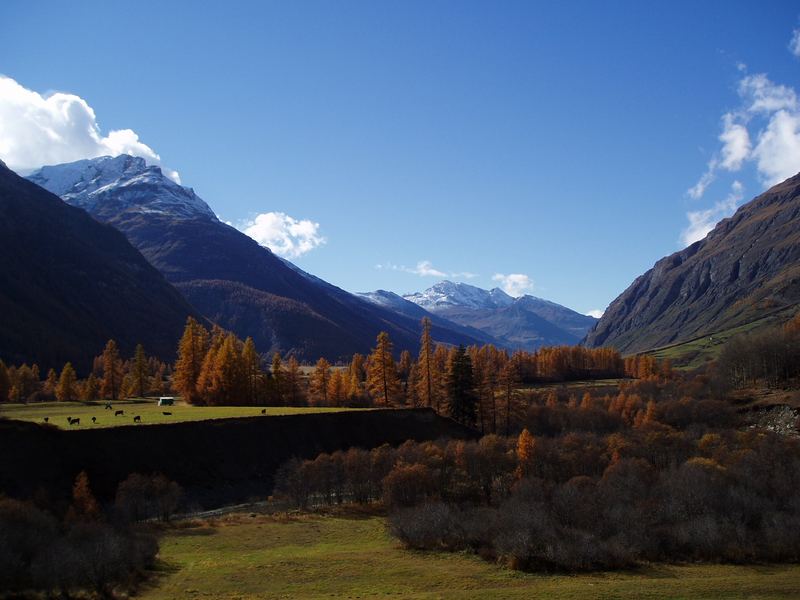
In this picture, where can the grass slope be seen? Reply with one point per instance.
(694, 353)
(252, 557)
(151, 414)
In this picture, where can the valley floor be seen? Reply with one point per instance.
(248, 556)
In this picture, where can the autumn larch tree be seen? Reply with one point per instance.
(427, 383)
(318, 386)
(461, 400)
(51, 382)
(112, 371)
(66, 390)
(91, 389)
(509, 381)
(526, 449)
(84, 505)
(191, 353)
(337, 388)
(293, 383)
(251, 363)
(403, 371)
(226, 381)
(382, 380)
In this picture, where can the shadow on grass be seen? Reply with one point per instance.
(155, 576)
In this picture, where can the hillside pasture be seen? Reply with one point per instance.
(147, 409)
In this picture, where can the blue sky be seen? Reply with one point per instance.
(559, 142)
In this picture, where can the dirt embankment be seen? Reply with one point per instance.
(217, 462)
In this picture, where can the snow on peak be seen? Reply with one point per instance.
(381, 298)
(448, 294)
(119, 184)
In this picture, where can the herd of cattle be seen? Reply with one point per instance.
(108, 406)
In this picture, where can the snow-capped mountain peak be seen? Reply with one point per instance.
(112, 185)
(448, 294)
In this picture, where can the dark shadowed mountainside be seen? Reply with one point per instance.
(747, 267)
(68, 284)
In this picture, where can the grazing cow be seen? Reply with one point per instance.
(46, 419)
(137, 419)
(108, 406)
(94, 419)
(119, 412)
(75, 421)
(167, 414)
(263, 411)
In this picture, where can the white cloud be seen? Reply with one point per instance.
(425, 268)
(703, 221)
(514, 284)
(777, 153)
(761, 95)
(794, 43)
(284, 235)
(735, 144)
(37, 130)
(596, 313)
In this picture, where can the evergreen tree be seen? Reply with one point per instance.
(320, 380)
(66, 390)
(461, 388)
(191, 354)
(112, 371)
(5, 383)
(139, 371)
(382, 381)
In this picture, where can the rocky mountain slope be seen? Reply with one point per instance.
(747, 267)
(68, 284)
(227, 276)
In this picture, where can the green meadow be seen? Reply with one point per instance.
(148, 410)
(249, 556)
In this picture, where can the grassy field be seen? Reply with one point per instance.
(151, 414)
(249, 557)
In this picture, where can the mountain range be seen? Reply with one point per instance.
(223, 273)
(69, 284)
(524, 323)
(747, 267)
